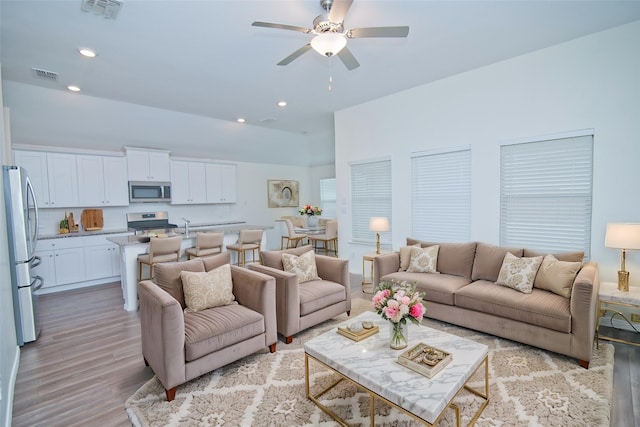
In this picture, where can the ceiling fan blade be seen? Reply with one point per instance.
(348, 59)
(281, 26)
(295, 54)
(339, 10)
(378, 32)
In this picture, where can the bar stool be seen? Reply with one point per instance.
(161, 249)
(206, 244)
(292, 238)
(249, 240)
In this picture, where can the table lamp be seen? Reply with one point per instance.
(623, 236)
(378, 224)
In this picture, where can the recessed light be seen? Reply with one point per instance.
(282, 103)
(73, 88)
(87, 52)
(240, 120)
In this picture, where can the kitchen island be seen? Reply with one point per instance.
(131, 246)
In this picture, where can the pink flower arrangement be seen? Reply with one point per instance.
(398, 302)
(310, 210)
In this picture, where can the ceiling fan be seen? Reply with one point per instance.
(330, 37)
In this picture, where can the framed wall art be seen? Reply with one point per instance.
(282, 193)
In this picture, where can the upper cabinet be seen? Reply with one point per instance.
(188, 184)
(54, 177)
(221, 183)
(104, 181)
(148, 165)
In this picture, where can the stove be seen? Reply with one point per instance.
(150, 223)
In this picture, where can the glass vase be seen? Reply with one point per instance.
(399, 335)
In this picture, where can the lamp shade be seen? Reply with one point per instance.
(378, 224)
(622, 236)
(328, 44)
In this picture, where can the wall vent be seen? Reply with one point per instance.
(107, 8)
(51, 76)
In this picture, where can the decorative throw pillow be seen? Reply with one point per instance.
(304, 266)
(557, 276)
(405, 256)
(424, 260)
(207, 289)
(519, 273)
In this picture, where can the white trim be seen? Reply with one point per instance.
(374, 160)
(439, 151)
(67, 150)
(8, 401)
(546, 137)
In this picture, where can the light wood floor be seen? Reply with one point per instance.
(87, 362)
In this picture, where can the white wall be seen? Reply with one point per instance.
(9, 351)
(591, 82)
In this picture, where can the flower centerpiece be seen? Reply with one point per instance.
(312, 213)
(398, 302)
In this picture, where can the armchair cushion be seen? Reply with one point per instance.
(273, 259)
(209, 289)
(318, 294)
(303, 266)
(168, 277)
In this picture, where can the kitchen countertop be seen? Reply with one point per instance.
(82, 233)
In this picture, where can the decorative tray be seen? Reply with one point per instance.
(424, 359)
(357, 336)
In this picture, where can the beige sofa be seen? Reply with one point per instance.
(180, 346)
(464, 293)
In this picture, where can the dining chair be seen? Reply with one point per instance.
(292, 238)
(161, 249)
(248, 240)
(328, 241)
(207, 244)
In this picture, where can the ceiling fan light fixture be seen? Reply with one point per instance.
(328, 44)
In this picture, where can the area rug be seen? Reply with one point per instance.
(528, 387)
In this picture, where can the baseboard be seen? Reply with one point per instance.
(7, 402)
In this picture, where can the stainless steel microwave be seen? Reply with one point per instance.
(142, 191)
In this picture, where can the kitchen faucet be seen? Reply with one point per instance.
(186, 227)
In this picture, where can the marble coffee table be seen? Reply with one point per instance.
(371, 365)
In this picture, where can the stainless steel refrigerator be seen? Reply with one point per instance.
(22, 235)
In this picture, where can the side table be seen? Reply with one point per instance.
(610, 296)
(367, 283)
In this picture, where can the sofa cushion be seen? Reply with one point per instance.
(438, 288)
(318, 294)
(209, 289)
(303, 266)
(488, 261)
(213, 329)
(519, 273)
(405, 256)
(541, 308)
(424, 260)
(273, 259)
(577, 256)
(453, 258)
(557, 276)
(167, 276)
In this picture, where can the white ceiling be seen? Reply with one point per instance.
(205, 58)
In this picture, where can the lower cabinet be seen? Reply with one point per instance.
(75, 262)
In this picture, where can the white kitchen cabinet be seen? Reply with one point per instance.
(60, 266)
(148, 165)
(54, 177)
(46, 269)
(35, 162)
(102, 261)
(188, 183)
(103, 181)
(221, 183)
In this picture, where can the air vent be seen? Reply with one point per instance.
(51, 76)
(107, 8)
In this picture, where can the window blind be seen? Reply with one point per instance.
(370, 196)
(441, 196)
(328, 197)
(545, 194)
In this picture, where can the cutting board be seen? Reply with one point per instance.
(92, 219)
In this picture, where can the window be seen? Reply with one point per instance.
(441, 196)
(370, 196)
(328, 197)
(545, 194)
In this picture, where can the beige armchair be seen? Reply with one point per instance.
(328, 241)
(292, 238)
(180, 346)
(302, 305)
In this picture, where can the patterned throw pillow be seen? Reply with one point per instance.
(405, 256)
(557, 276)
(207, 289)
(424, 260)
(519, 273)
(304, 266)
